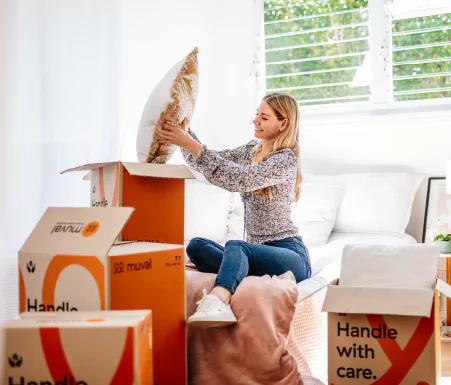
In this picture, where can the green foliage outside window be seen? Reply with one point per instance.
(320, 65)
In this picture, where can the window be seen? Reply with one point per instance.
(422, 57)
(342, 51)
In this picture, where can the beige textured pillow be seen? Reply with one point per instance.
(172, 100)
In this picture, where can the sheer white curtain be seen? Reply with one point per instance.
(60, 93)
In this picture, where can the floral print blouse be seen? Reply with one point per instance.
(265, 219)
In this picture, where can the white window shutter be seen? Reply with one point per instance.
(381, 51)
(405, 9)
(258, 70)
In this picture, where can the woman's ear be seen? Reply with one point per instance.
(284, 124)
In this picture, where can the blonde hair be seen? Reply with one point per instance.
(285, 107)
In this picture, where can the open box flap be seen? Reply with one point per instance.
(403, 266)
(88, 167)
(77, 231)
(369, 300)
(176, 171)
(443, 288)
(155, 170)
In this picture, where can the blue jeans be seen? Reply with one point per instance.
(238, 259)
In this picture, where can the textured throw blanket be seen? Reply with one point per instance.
(253, 351)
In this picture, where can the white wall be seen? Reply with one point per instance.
(156, 35)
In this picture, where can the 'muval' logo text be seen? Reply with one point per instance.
(76, 228)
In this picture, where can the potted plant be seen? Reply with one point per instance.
(444, 242)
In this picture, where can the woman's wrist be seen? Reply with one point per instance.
(193, 147)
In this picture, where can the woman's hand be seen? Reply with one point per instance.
(178, 136)
(173, 135)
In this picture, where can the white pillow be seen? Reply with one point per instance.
(207, 209)
(315, 212)
(374, 202)
(172, 100)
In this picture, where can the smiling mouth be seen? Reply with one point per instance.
(258, 129)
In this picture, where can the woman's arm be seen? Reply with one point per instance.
(234, 154)
(279, 167)
(190, 144)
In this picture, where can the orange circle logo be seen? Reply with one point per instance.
(90, 229)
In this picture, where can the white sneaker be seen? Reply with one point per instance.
(212, 312)
(288, 275)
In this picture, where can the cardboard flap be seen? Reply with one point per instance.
(369, 300)
(155, 170)
(81, 318)
(88, 167)
(443, 288)
(124, 248)
(77, 231)
(397, 266)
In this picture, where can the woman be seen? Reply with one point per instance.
(267, 175)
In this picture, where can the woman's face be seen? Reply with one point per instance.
(267, 126)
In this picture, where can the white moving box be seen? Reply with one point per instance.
(79, 348)
(383, 324)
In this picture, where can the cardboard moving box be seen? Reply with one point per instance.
(81, 348)
(383, 323)
(69, 263)
(156, 191)
(152, 276)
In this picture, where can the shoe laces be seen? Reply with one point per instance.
(204, 294)
(208, 302)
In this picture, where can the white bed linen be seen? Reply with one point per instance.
(326, 259)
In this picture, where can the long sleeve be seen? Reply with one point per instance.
(278, 168)
(233, 155)
(189, 159)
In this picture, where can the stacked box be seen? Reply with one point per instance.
(79, 348)
(98, 258)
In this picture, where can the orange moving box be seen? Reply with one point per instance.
(69, 263)
(152, 276)
(156, 191)
(82, 348)
(381, 329)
